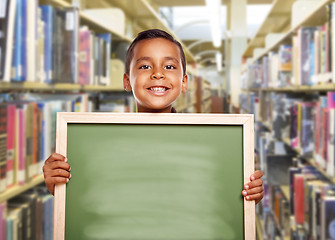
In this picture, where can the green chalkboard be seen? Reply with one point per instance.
(147, 181)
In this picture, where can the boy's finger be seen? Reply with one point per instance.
(257, 196)
(255, 183)
(57, 180)
(257, 174)
(55, 157)
(253, 191)
(58, 165)
(59, 173)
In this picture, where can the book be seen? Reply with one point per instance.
(328, 217)
(11, 118)
(31, 39)
(299, 194)
(105, 56)
(331, 134)
(48, 16)
(3, 222)
(3, 146)
(20, 147)
(7, 22)
(285, 65)
(65, 49)
(307, 133)
(85, 37)
(17, 62)
(306, 54)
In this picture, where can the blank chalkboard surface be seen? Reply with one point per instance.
(154, 181)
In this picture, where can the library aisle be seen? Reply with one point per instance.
(274, 59)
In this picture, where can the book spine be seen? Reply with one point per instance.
(11, 109)
(31, 40)
(299, 198)
(17, 46)
(3, 146)
(331, 135)
(21, 148)
(9, 36)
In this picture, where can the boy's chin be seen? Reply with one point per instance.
(155, 109)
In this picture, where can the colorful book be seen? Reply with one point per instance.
(105, 56)
(85, 37)
(17, 47)
(331, 134)
(11, 115)
(7, 23)
(3, 146)
(31, 38)
(20, 147)
(328, 217)
(48, 16)
(299, 194)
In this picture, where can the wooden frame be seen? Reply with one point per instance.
(245, 120)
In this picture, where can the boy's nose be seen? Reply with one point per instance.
(158, 75)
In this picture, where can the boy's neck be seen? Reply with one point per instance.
(150, 110)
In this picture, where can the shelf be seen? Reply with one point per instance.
(310, 161)
(278, 17)
(316, 88)
(259, 227)
(102, 88)
(35, 86)
(18, 189)
(317, 17)
(86, 20)
(146, 17)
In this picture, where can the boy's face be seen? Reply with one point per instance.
(156, 75)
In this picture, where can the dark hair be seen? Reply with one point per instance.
(152, 34)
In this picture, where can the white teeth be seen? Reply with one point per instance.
(158, 89)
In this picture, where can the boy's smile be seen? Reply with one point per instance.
(156, 75)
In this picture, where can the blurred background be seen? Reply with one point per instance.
(270, 58)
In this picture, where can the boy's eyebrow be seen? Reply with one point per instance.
(149, 58)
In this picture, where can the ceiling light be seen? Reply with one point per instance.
(214, 11)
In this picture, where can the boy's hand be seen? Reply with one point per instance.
(254, 190)
(56, 170)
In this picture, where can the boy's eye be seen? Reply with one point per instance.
(170, 67)
(145, 67)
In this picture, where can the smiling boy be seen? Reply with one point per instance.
(155, 71)
(156, 75)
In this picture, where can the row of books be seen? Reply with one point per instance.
(306, 124)
(306, 212)
(27, 136)
(28, 216)
(46, 44)
(294, 64)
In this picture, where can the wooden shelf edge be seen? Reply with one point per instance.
(5, 86)
(18, 189)
(259, 227)
(310, 161)
(315, 88)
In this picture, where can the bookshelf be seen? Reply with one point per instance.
(296, 89)
(292, 105)
(276, 21)
(146, 17)
(87, 20)
(18, 189)
(314, 18)
(311, 161)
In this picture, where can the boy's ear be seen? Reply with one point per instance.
(184, 83)
(126, 82)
